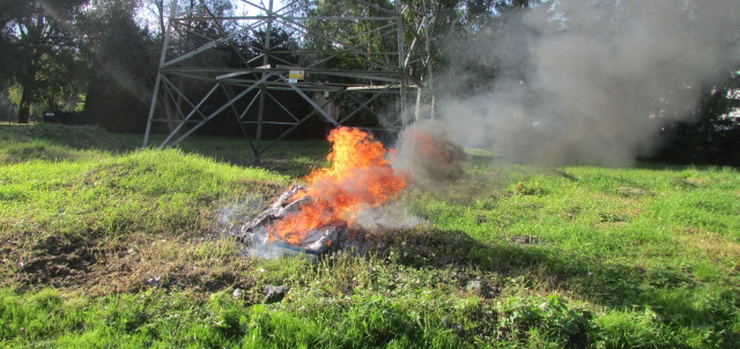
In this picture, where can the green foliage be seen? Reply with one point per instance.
(550, 321)
(712, 136)
(119, 90)
(368, 37)
(42, 51)
(169, 187)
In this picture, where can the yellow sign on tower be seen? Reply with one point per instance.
(295, 75)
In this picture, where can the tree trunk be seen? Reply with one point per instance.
(24, 111)
(27, 85)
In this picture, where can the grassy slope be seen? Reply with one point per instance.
(579, 256)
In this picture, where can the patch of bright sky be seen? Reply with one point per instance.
(148, 14)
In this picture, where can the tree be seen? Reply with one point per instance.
(488, 32)
(190, 34)
(8, 11)
(356, 44)
(40, 35)
(712, 137)
(123, 58)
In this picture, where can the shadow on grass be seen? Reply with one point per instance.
(295, 158)
(659, 166)
(74, 137)
(666, 290)
(61, 142)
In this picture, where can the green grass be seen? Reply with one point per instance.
(294, 158)
(508, 257)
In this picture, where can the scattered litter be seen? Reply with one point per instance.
(154, 282)
(475, 286)
(482, 288)
(237, 293)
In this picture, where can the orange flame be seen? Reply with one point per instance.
(359, 177)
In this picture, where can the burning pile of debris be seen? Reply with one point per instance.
(327, 211)
(257, 233)
(314, 218)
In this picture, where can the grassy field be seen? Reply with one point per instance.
(103, 245)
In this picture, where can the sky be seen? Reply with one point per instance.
(148, 14)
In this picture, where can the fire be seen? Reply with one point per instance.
(359, 177)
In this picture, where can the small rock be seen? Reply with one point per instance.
(475, 286)
(544, 306)
(275, 293)
(482, 288)
(237, 293)
(155, 282)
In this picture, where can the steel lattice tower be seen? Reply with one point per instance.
(247, 87)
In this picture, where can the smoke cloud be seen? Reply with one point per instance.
(428, 157)
(587, 81)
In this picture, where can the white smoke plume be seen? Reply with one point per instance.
(589, 81)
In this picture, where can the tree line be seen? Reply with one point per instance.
(62, 55)
(96, 59)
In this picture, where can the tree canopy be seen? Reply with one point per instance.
(42, 50)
